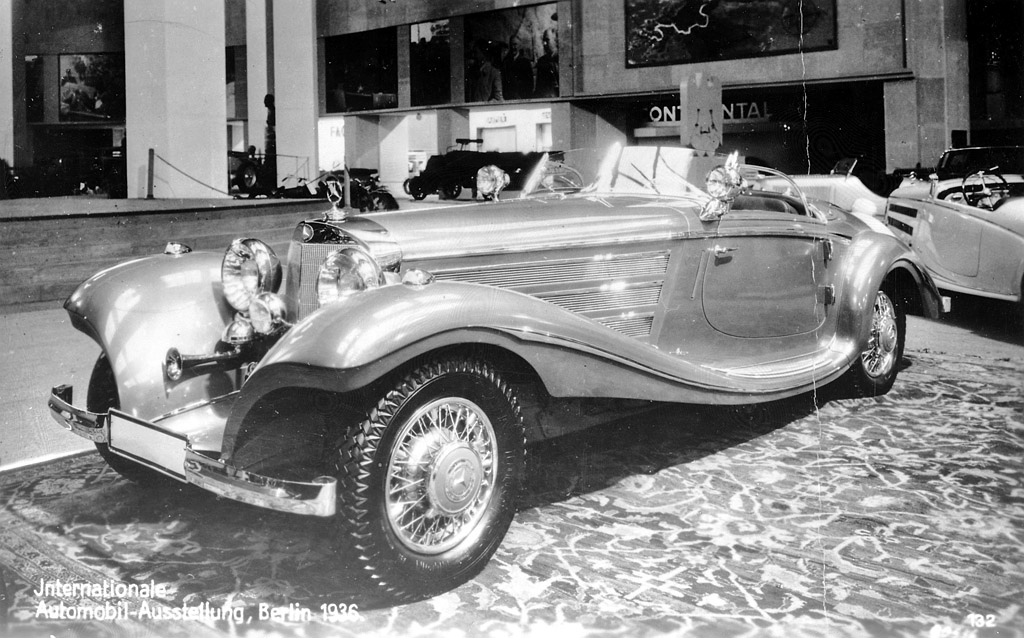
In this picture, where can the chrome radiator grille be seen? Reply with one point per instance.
(302, 284)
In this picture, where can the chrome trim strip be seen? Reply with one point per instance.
(541, 271)
(650, 237)
(194, 406)
(315, 498)
(823, 357)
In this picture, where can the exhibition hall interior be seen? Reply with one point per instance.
(512, 317)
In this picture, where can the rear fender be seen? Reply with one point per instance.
(137, 310)
(881, 262)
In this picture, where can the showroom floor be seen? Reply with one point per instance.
(897, 516)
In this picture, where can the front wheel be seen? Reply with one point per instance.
(417, 188)
(101, 398)
(874, 372)
(429, 480)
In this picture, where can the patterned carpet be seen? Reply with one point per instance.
(901, 516)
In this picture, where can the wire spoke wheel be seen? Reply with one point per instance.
(874, 372)
(880, 357)
(441, 475)
(428, 483)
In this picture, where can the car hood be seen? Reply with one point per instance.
(535, 223)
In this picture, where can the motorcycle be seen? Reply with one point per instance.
(368, 193)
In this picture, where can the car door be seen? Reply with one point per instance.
(767, 275)
(949, 239)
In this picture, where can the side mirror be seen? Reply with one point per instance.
(723, 183)
(933, 181)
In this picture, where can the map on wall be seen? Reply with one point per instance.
(661, 32)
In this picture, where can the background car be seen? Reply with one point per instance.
(449, 173)
(390, 373)
(967, 222)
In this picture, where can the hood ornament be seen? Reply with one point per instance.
(336, 195)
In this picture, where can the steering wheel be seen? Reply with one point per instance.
(986, 188)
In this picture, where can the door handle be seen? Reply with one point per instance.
(721, 251)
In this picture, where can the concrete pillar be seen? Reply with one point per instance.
(295, 88)
(7, 63)
(256, 66)
(176, 97)
(922, 114)
(362, 141)
(451, 124)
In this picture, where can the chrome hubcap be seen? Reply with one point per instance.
(880, 357)
(441, 475)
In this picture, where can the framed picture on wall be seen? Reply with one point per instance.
(430, 76)
(362, 71)
(91, 87)
(663, 32)
(512, 54)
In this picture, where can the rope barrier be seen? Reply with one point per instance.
(213, 188)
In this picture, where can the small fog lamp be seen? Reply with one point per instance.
(238, 332)
(266, 313)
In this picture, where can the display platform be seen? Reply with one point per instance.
(896, 516)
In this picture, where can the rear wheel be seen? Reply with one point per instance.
(875, 370)
(101, 398)
(451, 190)
(429, 480)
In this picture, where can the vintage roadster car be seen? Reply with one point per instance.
(391, 372)
(967, 222)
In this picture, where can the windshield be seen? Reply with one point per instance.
(655, 170)
(964, 161)
(666, 172)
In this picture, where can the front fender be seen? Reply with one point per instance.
(137, 310)
(348, 345)
(379, 330)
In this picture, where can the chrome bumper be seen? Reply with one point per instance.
(314, 498)
(88, 425)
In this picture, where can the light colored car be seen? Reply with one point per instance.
(391, 380)
(967, 221)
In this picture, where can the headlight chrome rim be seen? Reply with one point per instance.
(250, 267)
(345, 272)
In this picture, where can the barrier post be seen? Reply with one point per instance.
(149, 176)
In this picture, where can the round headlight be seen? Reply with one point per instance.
(490, 181)
(249, 268)
(266, 312)
(345, 272)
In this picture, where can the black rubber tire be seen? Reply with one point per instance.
(417, 188)
(451, 190)
(246, 178)
(398, 571)
(101, 398)
(861, 381)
